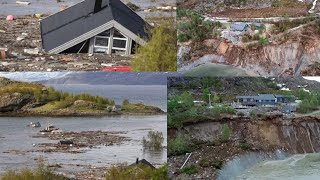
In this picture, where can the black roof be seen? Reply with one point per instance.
(76, 20)
(144, 162)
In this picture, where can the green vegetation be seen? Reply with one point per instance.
(310, 101)
(179, 145)
(192, 169)
(205, 95)
(245, 146)
(159, 54)
(141, 172)
(52, 99)
(181, 110)
(154, 141)
(217, 164)
(286, 3)
(140, 108)
(204, 163)
(225, 133)
(263, 41)
(194, 28)
(42, 172)
(286, 24)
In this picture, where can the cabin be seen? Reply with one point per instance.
(94, 26)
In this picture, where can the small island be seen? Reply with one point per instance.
(32, 99)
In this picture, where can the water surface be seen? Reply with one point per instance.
(14, 135)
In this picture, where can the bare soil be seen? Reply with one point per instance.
(263, 12)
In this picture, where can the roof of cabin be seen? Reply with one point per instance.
(81, 18)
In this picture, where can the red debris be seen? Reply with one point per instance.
(10, 18)
(117, 69)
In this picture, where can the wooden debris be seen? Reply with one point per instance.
(23, 2)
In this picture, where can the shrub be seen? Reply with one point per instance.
(42, 172)
(225, 133)
(125, 102)
(204, 163)
(140, 171)
(217, 164)
(245, 146)
(178, 145)
(154, 141)
(263, 41)
(192, 169)
(240, 114)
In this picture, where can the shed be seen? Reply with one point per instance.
(93, 26)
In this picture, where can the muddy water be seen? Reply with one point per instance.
(14, 135)
(298, 167)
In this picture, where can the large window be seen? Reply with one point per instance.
(102, 42)
(119, 41)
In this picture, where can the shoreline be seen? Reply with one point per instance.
(23, 114)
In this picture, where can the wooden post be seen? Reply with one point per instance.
(110, 41)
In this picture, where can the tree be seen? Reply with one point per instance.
(159, 54)
(225, 133)
(187, 100)
(205, 94)
(125, 102)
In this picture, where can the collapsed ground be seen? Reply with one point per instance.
(215, 137)
(281, 44)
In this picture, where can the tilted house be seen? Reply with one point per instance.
(93, 26)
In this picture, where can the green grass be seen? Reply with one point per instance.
(42, 172)
(139, 108)
(141, 172)
(192, 169)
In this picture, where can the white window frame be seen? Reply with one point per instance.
(97, 46)
(119, 38)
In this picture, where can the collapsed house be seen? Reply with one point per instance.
(94, 26)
